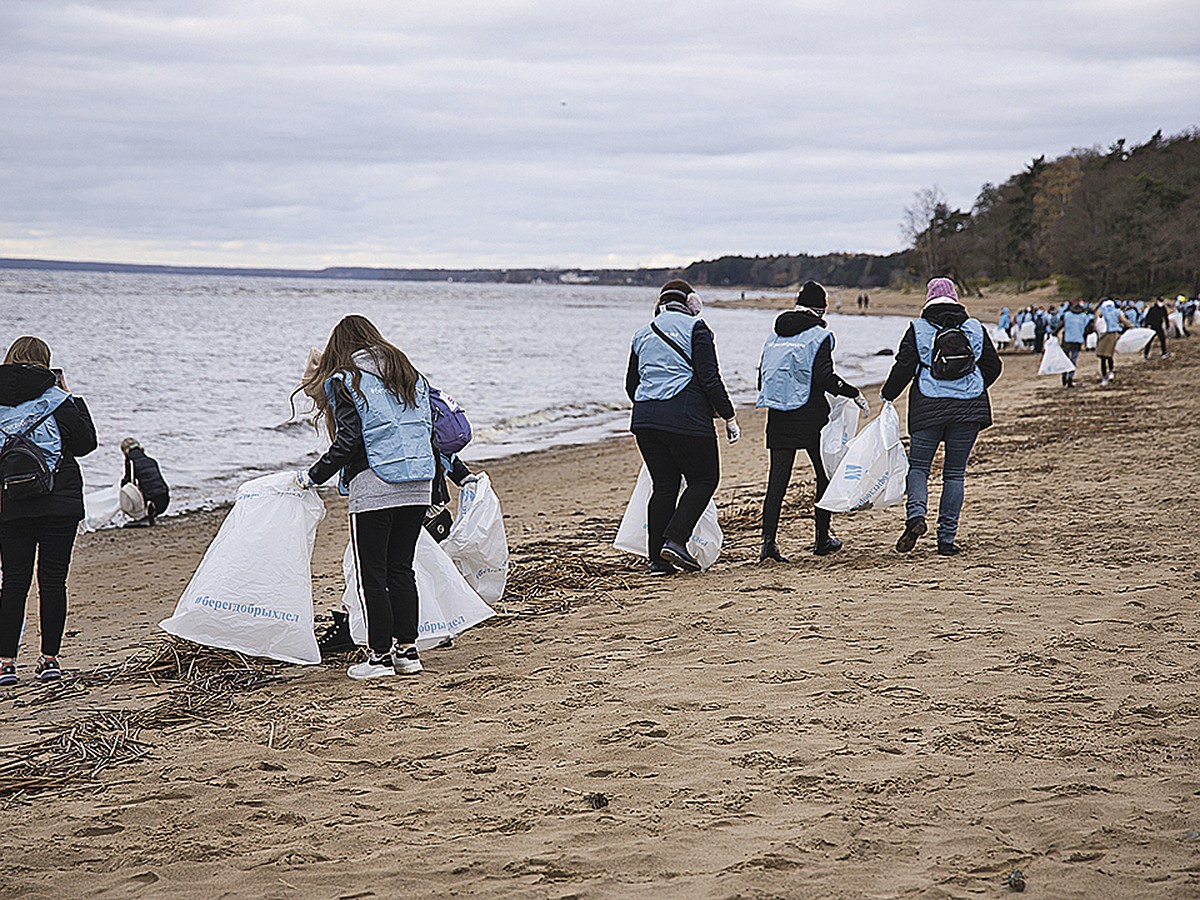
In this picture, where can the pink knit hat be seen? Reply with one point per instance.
(941, 290)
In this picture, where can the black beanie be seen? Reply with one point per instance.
(811, 295)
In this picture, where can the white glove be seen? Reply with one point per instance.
(303, 481)
(861, 402)
(732, 431)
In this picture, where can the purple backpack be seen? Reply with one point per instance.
(449, 422)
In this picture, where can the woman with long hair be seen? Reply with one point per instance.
(375, 406)
(39, 515)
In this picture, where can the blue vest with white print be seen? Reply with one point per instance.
(786, 368)
(966, 388)
(397, 436)
(1075, 326)
(663, 373)
(15, 419)
(1112, 319)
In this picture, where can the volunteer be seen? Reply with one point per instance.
(794, 375)
(675, 384)
(376, 409)
(145, 484)
(1156, 318)
(1076, 322)
(948, 358)
(1110, 322)
(43, 522)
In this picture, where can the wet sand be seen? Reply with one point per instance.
(862, 725)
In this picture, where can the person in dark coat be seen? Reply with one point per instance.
(794, 375)
(40, 527)
(1156, 318)
(940, 410)
(675, 384)
(142, 471)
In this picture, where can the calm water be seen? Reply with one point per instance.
(200, 368)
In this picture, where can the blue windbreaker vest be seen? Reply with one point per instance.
(1112, 319)
(1075, 326)
(397, 436)
(15, 419)
(966, 388)
(786, 368)
(663, 373)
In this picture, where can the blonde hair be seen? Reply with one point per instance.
(28, 351)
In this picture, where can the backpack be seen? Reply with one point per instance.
(450, 424)
(952, 356)
(24, 472)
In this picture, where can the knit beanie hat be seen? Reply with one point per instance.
(679, 291)
(941, 290)
(812, 295)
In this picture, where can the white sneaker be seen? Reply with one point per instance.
(374, 667)
(407, 661)
(1103, 382)
(1112, 376)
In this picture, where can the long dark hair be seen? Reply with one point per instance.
(350, 335)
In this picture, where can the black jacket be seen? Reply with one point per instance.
(1156, 317)
(931, 412)
(348, 450)
(19, 383)
(795, 428)
(144, 472)
(691, 410)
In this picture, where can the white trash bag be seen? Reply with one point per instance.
(1134, 340)
(872, 473)
(253, 590)
(1028, 331)
(1089, 342)
(1000, 335)
(477, 542)
(447, 605)
(1054, 359)
(100, 508)
(634, 534)
(836, 435)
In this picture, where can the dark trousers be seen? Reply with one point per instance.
(385, 542)
(1161, 333)
(1071, 348)
(671, 457)
(777, 484)
(50, 539)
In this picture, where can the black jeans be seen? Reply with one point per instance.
(670, 457)
(50, 539)
(385, 542)
(777, 485)
(1161, 333)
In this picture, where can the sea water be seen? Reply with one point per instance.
(200, 368)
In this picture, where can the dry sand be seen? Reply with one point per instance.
(864, 725)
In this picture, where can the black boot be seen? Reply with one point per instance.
(771, 551)
(336, 637)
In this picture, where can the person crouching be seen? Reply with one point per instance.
(144, 491)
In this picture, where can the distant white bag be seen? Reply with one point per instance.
(477, 542)
(253, 590)
(836, 435)
(1175, 320)
(1054, 359)
(634, 534)
(1000, 335)
(1100, 324)
(100, 508)
(1134, 340)
(1028, 331)
(873, 471)
(1089, 342)
(447, 606)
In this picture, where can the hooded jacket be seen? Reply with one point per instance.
(795, 428)
(932, 412)
(19, 383)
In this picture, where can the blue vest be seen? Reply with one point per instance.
(966, 388)
(786, 368)
(1112, 319)
(1005, 320)
(1075, 326)
(663, 373)
(397, 436)
(15, 419)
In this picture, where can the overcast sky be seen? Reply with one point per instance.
(548, 132)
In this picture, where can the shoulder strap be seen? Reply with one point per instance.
(671, 343)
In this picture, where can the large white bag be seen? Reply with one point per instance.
(253, 590)
(1000, 335)
(836, 435)
(634, 534)
(1028, 331)
(1054, 359)
(477, 542)
(872, 473)
(100, 508)
(447, 605)
(1134, 340)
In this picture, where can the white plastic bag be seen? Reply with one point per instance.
(836, 435)
(447, 605)
(634, 534)
(477, 542)
(100, 508)
(1175, 320)
(1134, 340)
(253, 590)
(1000, 335)
(1089, 342)
(873, 471)
(1028, 331)
(1054, 359)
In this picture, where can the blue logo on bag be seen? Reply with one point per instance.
(854, 473)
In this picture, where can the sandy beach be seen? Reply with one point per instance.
(860, 725)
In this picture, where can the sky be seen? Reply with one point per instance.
(510, 133)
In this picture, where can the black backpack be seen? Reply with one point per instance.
(24, 472)
(952, 355)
